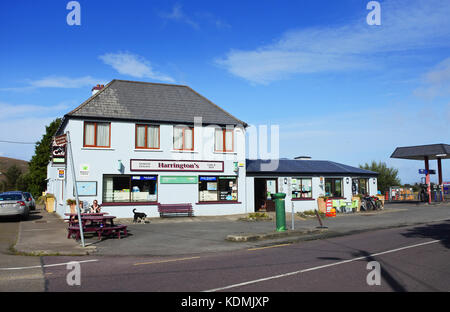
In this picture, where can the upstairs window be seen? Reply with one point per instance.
(147, 136)
(183, 138)
(224, 141)
(97, 134)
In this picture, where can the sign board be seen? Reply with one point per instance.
(178, 180)
(59, 150)
(84, 170)
(61, 174)
(176, 165)
(424, 171)
(86, 188)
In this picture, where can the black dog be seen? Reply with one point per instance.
(139, 216)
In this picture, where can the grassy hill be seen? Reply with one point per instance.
(6, 162)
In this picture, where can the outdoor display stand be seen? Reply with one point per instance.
(280, 211)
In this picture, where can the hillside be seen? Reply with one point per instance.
(6, 162)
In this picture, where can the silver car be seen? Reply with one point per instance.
(14, 204)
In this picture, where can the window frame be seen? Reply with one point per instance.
(218, 201)
(146, 137)
(333, 187)
(183, 139)
(300, 185)
(224, 141)
(95, 123)
(130, 182)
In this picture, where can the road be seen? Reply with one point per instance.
(413, 258)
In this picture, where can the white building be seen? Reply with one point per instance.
(138, 144)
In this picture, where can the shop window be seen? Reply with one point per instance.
(360, 186)
(333, 187)
(183, 138)
(217, 189)
(147, 136)
(301, 188)
(121, 188)
(223, 140)
(97, 134)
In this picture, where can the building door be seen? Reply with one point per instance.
(264, 188)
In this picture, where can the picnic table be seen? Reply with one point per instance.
(96, 223)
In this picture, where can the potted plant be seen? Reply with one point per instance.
(73, 205)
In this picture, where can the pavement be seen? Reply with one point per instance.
(46, 233)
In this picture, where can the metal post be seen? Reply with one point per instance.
(441, 186)
(80, 223)
(427, 179)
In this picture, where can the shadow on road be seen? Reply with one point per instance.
(439, 231)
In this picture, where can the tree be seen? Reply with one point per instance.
(387, 176)
(12, 176)
(37, 174)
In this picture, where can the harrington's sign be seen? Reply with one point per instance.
(176, 165)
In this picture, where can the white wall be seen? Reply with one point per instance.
(103, 161)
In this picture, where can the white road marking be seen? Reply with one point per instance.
(45, 266)
(319, 267)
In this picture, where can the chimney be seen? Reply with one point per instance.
(97, 88)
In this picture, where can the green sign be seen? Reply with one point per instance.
(178, 179)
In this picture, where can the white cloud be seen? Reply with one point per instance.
(57, 82)
(178, 15)
(436, 82)
(13, 111)
(133, 65)
(406, 25)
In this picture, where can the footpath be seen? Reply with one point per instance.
(46, 233)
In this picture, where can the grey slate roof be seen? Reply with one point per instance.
(419, 152)
(295, 166)
(144, 101)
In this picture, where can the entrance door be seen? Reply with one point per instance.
(264, 188)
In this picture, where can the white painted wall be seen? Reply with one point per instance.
(105, 161)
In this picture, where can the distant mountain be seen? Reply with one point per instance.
(6, 162)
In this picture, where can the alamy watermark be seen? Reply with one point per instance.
(374, 276)
(374, 16)
(74, 16)
(73, 277)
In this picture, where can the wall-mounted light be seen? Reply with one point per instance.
(374, 180)
(285, 180)
(347, 180)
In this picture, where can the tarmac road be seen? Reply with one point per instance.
(413, 258)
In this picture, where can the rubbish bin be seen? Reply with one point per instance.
(280, 211)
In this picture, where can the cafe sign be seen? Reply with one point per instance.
(176, 165)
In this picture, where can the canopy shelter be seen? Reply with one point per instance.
(425, 153)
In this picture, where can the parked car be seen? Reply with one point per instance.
(13, 204)
(30, 201)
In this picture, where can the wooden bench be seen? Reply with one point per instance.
(175, 209)
(100, 230)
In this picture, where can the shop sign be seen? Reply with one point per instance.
(84, 170)
(176, 165)
(178, 180)
(59, 150)
(61, 174)
(143, 178)
(208, 178)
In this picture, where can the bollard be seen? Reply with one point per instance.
(280, 211)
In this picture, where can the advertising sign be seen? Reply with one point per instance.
(178, 180)
(59, 150)
(61, 174)
(176, 165)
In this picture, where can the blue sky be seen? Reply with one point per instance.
(338, 88)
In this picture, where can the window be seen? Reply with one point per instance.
(360, 186)
(183, 138)
(147, 137)
(333, 187)
(121, 188)
(97, 134)
(224, 141)
(301, 188)
(217, 189)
